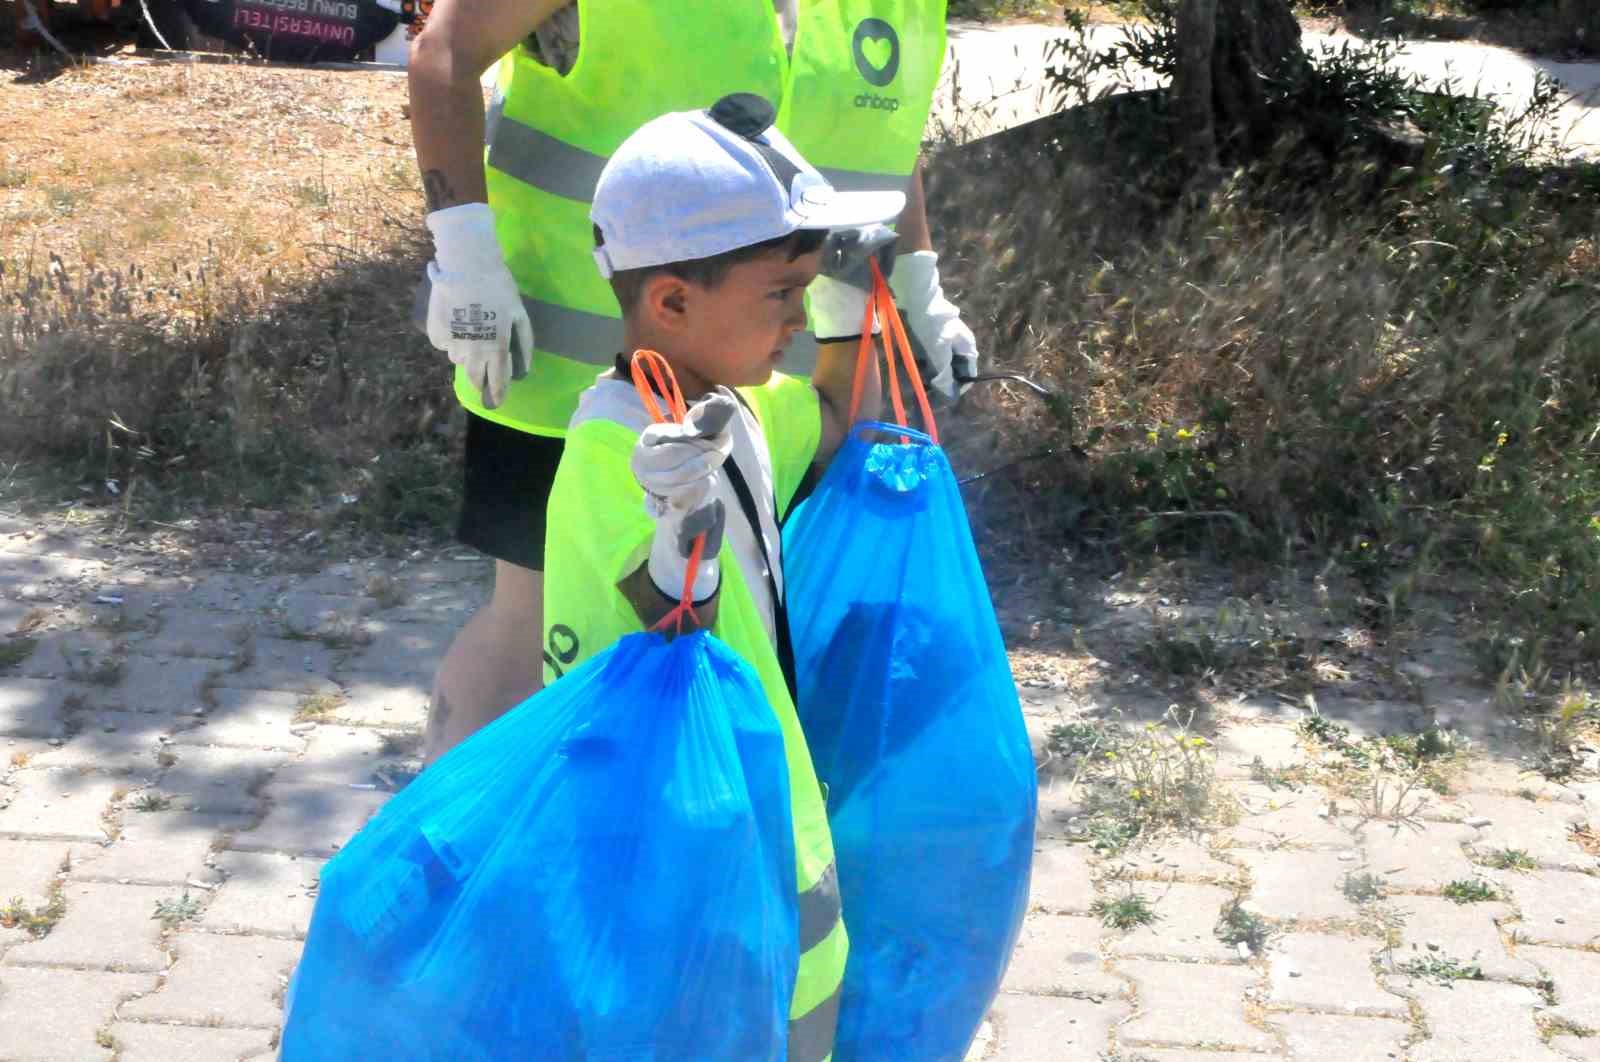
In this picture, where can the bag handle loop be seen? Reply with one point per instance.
(653, 377)
(880, 304)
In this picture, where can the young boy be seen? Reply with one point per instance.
(711, 229)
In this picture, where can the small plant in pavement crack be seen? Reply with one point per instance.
(1127, 911)
(36, 921)
(1511, 859)
(1238, 926)
(1442, 969)
(174, 911)
(1474, 891)
(1362, 888)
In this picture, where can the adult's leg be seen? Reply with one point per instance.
(493, 665)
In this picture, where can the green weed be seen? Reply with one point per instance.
(1443, 970)
(1129, 910)
(1470, 891)
(150, 800)
(1511, 859)
(36, 921)
(1238, 926)
(1362, 888)
(15, 649)
(174, 911)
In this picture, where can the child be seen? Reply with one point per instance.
(711, 228)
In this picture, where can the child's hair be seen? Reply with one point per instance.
(709, 272)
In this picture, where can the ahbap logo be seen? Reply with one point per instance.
(877, 50)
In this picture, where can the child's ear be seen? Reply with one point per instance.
(665, 301)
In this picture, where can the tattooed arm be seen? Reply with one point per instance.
(461, 40)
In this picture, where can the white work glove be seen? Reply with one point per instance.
(948, 344)
(678, 467)
(840, 292)
(475, 312)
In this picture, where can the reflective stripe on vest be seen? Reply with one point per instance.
(811, 1035)
(551, 165)
(819, 909)
(595, 340)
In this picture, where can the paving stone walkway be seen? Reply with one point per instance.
(196, 744)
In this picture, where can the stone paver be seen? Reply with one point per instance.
(1045, 1029)
(1465, 932)
(1184, 1004)
(1410, 859)
(250, 719)
(265, 893)
(1060, 955)
(191, 633)
(143, 1042)
(157, 848)
(1061, 881)
(383, 700)
(219, 780)
(1475, 1021)
(310, 820)
(1318, 971)
(227, 979)
(1557, 907)
(105, 927)
(56, 653)
(1239, 746)
(1147, 1054)
(1336, 1038)
(403, 648)
(31, 708)
(53, 1015)
(1304, 886)
(1179, 859)
(120, 742)
(56, 803)
(1580, 1048)
(1540, 828)
(1185, 924)
(27, 869)
(1577, 982)
(1274, 817)
(338, 755)
(164, 685)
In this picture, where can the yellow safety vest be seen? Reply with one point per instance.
(598, 532)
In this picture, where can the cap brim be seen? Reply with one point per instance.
(848, 209)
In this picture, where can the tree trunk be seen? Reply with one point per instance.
(1192, 86)
(1251, 41)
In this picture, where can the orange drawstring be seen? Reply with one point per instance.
(649, 367)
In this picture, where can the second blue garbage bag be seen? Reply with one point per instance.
(604, 873)
(912, 717)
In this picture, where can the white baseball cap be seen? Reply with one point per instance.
(693, 184)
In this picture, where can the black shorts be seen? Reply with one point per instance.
(508, 478)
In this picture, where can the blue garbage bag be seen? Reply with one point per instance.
(604, 873)
(909, 708)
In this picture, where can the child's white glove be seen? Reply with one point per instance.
(950, 346)
(677, 465)
(839, 294)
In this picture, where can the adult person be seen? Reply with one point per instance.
(515, 298)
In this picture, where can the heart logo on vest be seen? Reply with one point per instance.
(877, 51)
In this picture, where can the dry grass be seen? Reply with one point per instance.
(214, 299)
(1397, 372)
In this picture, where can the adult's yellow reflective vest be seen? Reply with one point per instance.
(598, 533)
(853, 98)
